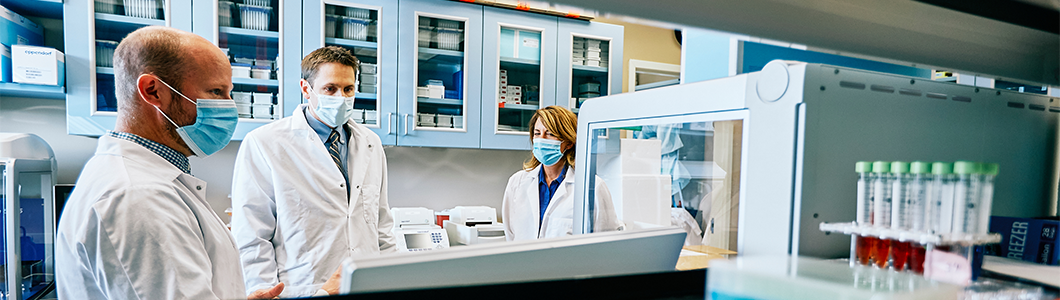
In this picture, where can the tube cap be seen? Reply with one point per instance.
(863, 167)
(920, 167)
(899, 167)
(965, 167)
(990, 169)
(881, 167)
(941, 168)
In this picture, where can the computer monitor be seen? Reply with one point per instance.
(598, 254)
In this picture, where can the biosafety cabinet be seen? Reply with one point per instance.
(761, 159)
(27, 176)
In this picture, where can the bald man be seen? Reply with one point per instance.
(138, 225)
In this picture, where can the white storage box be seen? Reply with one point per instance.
(593, 63)
(435, 91)
(425, 120)
(262, 111)
(368, 79)
(445, 121)
(37, 65)
(370, 116)
(261, 72)
(358, 12)
(358, 115)
(243, 109)
(240, 70)
(368, 88)
(142, 8)
(254, 17)
(367, 68)
(262, 98)
(426, 36)
(355, 28)
(422, 91)
(108, 6)
(224, 13)
(242, 97)
(331, 22)
(458, 121)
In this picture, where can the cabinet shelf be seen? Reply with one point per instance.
(519, 107)
(519, 65)
(270, 35)
(351, 43)
(10, 89)
(365, 96)
(441, 56)
(104, 71)
(120, 23)
(255, 81)
(590, 69)
(456, 102)
(659, 84)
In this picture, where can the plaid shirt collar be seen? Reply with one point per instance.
(176, 158)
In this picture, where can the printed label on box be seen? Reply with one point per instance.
(532, 43)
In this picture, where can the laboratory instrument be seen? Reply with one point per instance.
(27, 179)
(470, 225)
(415, 230)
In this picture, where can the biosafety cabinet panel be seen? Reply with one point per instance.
(801, 129)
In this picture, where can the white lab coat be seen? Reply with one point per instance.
(291, 218)
(520, 211)
(136, 227)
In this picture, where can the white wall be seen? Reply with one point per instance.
(435, 178)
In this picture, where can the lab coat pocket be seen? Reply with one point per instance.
(557, 227)
(370, 202)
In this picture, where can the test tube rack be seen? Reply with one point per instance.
(906, 235)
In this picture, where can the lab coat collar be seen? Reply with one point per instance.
(109, 145)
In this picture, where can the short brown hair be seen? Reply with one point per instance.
(563, 124)
(328, 54)
(149, 50)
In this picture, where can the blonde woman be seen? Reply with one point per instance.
(539, 199)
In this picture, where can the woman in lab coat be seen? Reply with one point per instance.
(539, 200)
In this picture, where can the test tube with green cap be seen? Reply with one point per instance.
(919, 211)
(881, 194)
(966, 197)
(900, 194)
(864, 192)
(942, 197)
(987, 194)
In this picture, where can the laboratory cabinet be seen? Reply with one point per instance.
(590, 62)
(368, 28)
(92, 30)
(518, 67)
(439, 70)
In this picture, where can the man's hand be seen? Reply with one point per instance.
(332, 285)
(270, 293)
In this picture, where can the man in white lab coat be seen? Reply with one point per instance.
(310, 190)
(138, 225)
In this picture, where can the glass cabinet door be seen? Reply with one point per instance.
(439, 87)
(26, 195)
(591, 62)
(652, 168)
(93, 30)
(519, 51)
(362, 27)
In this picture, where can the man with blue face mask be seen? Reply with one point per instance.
(310, 190)
(138, 226)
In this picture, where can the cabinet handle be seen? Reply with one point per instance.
(407, 124)
(389, 123)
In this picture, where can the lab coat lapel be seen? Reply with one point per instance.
(565, 187)
(357, 160)
(533, 194)
(318, 154)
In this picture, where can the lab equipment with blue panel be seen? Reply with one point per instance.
(28, 169)
(792, 131)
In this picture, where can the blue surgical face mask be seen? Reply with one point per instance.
(215, 122)
(333, 110)
(548, 152)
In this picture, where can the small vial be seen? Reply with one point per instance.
(917, 257)
(881, 194)
(900, 195)
(987, 194)
(966, 198)
(864, 196)
(919, 189)
(942, 186)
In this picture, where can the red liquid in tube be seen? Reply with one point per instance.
(916, 259)
(863, 249)
(900, 252)
(881, 251)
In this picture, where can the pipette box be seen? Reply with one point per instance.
(18, 30)
(37, 65)
(794, 278)
(1033, 240)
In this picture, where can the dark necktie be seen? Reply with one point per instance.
(333, 149)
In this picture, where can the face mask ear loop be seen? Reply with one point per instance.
(155, 106)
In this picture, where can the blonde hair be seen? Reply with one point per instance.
(563, 124)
